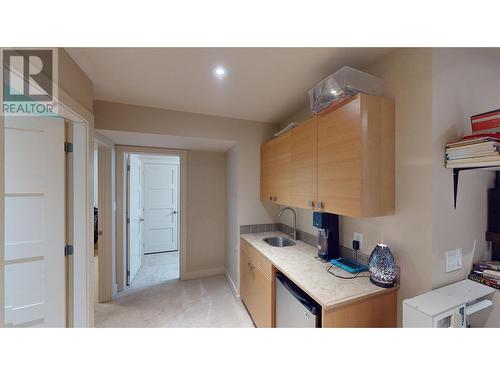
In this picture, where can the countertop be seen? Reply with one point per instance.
(299, 264)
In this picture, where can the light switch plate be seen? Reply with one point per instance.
(453, 260)
(358, 237)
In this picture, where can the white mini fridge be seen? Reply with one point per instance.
(447, 307)
(294, 308)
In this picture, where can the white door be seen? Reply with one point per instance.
(160, 207)
(135, 216)
(34, 222)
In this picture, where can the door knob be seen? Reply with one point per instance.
(174, 212)
(141, 219)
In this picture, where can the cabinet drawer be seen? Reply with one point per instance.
(257, 259)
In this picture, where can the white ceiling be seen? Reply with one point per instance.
(263, 84)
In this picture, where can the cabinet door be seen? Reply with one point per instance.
(257, 285)
(281, 162)
(275, 170)
(304, 165)
(245, 279)
(339, 160)
(261, 290)
(266, 193)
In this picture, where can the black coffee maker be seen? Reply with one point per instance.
(328, 235)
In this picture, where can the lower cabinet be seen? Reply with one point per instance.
(378, 311)
(257, 286)
(257, 290)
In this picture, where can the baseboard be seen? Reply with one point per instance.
(232, 285)
(190, 275)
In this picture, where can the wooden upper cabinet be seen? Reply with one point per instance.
(341, 161)
(275, 170)
(356, 157)
(304, 164)
(266, 193)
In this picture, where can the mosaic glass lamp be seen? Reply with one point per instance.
(381, 266)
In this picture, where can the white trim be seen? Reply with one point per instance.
(121, 221)
(232, 285)
(203, 273)
(80, 264)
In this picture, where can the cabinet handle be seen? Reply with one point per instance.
(310, 204)
(270, 197)
(321, 205)
(274, 199)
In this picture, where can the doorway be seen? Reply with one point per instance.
(153, 225)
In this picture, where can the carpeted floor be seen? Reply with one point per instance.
(157, 298)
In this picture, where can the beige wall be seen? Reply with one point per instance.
(465, 81)
(74, 81)
(242, 179)
(206, 212)
(407, 77)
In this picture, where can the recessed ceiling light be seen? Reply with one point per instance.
(220, 72)
(334, 92)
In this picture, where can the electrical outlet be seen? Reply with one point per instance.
(358, 237)
(453, 260)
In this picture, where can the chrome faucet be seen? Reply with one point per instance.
(294, 233)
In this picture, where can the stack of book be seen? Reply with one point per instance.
(486, 272)
(474, 151)
(488, 122)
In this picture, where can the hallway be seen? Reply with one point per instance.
(158, 299)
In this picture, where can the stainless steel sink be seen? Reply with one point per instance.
(279, 241)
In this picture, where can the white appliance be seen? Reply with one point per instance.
(294, 308)
(446, 307)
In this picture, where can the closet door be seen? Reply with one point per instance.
(304, 166)
(35, 294)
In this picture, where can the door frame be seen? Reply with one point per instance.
(121, 216)
(106, 218)
(69, 109)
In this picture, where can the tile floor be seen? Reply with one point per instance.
(157, 298)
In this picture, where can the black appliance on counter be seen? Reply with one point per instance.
(328, 235)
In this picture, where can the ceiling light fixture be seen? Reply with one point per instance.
(334, 92)
(220, 72)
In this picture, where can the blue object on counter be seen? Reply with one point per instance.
(349, 265)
